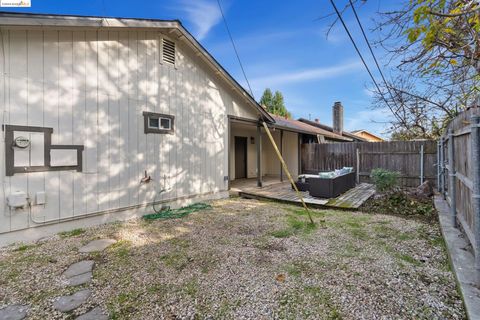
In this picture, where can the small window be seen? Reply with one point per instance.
(153, 123)
(165, 123)
(158, 123)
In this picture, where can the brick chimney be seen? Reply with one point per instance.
(338, 117)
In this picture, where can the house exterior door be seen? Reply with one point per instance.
(240, 157)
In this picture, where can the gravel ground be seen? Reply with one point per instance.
(245, 259)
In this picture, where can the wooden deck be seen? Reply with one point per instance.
(283, 192)
(353, 198)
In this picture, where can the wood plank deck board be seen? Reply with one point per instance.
(351, 199)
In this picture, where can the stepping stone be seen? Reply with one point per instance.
(79, 268)
(79, 279)
(79, 273)
(69, 303)
(94, 314)
(14, 312)
(97, 245)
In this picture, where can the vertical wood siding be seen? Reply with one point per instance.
(91, 87)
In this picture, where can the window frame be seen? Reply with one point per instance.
(153, 115)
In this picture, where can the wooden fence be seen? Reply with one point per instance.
(459, 174)
(414, 160)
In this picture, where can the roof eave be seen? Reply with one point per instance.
(330, 137)
(52, 20)
(265, 116)
(346, 135)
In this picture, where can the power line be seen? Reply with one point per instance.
(235, 49)
(363, 60)
(373, 54)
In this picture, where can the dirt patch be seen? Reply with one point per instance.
(245, 259)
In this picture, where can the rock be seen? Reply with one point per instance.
(97, 245)
(14, 312)
(79, 279)
(424, 190)
(69, 303)
(79, 273)
(79, 268)
(94, 314)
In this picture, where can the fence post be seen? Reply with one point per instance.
(259, 156)
(358, 165)
(451, 174)
(475, 140)
(421, 164)
(442, 166)
(438, 165)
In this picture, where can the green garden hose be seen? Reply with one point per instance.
(168, 213)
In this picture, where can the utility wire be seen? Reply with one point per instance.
(235, 48)
(363, 60)
(373, 54)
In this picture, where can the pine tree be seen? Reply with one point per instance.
(275, 104)
(267, 99)
(279, 104)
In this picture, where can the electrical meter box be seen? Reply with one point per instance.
(28, 149)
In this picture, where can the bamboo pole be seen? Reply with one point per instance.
(285, 168)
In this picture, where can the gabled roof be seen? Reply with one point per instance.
(355, 132)
(73, 21)
(344, 134)
(298, 126)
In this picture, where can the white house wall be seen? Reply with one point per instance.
(91, 87)
(270, 162)
(290, 152)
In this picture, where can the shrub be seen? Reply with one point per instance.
(384, 180)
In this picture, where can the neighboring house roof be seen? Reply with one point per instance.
(62, 21)
(344, 134)
(360, 132)
(298, 126)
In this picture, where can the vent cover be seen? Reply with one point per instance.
(168, 51)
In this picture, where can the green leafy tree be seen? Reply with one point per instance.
(275, 104)
(279, 104)
(267, 99)
(447, 31)
(434, 47)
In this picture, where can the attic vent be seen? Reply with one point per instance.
(168, 51)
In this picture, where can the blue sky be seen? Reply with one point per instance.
(282, 45)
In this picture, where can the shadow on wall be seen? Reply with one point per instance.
(91, 87)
